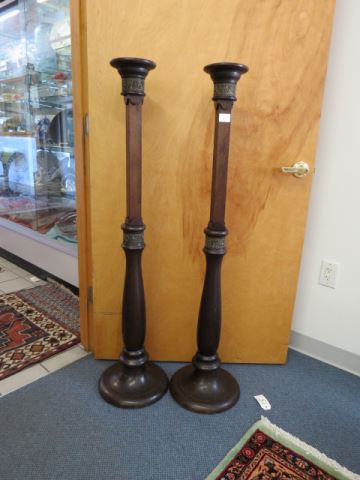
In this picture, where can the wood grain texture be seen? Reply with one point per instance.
(274, 123)
(78, 36)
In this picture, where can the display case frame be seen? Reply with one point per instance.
(65, 256)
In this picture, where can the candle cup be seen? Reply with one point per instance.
(133, 382)
(205, 387)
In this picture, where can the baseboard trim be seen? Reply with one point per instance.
(35, 270)
(348, 361)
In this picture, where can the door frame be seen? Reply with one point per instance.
(78, 51)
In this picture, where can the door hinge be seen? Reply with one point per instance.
(90, 295)
(86, 125)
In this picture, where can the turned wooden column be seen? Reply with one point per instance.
(133, 382)
(204, 386)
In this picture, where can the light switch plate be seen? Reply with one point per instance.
(329, 273)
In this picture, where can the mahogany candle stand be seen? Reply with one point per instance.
(133, 382)
(205, 387)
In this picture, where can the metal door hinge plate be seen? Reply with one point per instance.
(90, 295)
(86, 125)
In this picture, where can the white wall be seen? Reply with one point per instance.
(333, 230)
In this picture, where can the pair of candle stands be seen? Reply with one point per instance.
(135, 382)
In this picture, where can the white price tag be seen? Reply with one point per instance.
(35, 279)
(263, 402)
(224, 117)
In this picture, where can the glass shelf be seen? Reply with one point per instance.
(37, 164)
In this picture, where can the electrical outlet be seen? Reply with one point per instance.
(328, 273)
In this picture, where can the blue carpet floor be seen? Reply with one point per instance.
(59, 428)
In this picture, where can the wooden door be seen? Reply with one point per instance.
(275, 122)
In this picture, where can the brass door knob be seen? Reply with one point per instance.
(299, 169)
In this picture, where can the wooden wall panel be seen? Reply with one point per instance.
(275, 122)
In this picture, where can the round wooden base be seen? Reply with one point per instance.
(204, 391)
(133, 386)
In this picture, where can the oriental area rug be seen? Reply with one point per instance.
(267, 452)
(35, 324)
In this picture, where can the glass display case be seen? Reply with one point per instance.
(37, 164)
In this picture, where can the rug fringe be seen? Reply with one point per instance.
(277, 431)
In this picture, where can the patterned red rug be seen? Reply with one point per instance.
(36, 324)
(268, 453)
